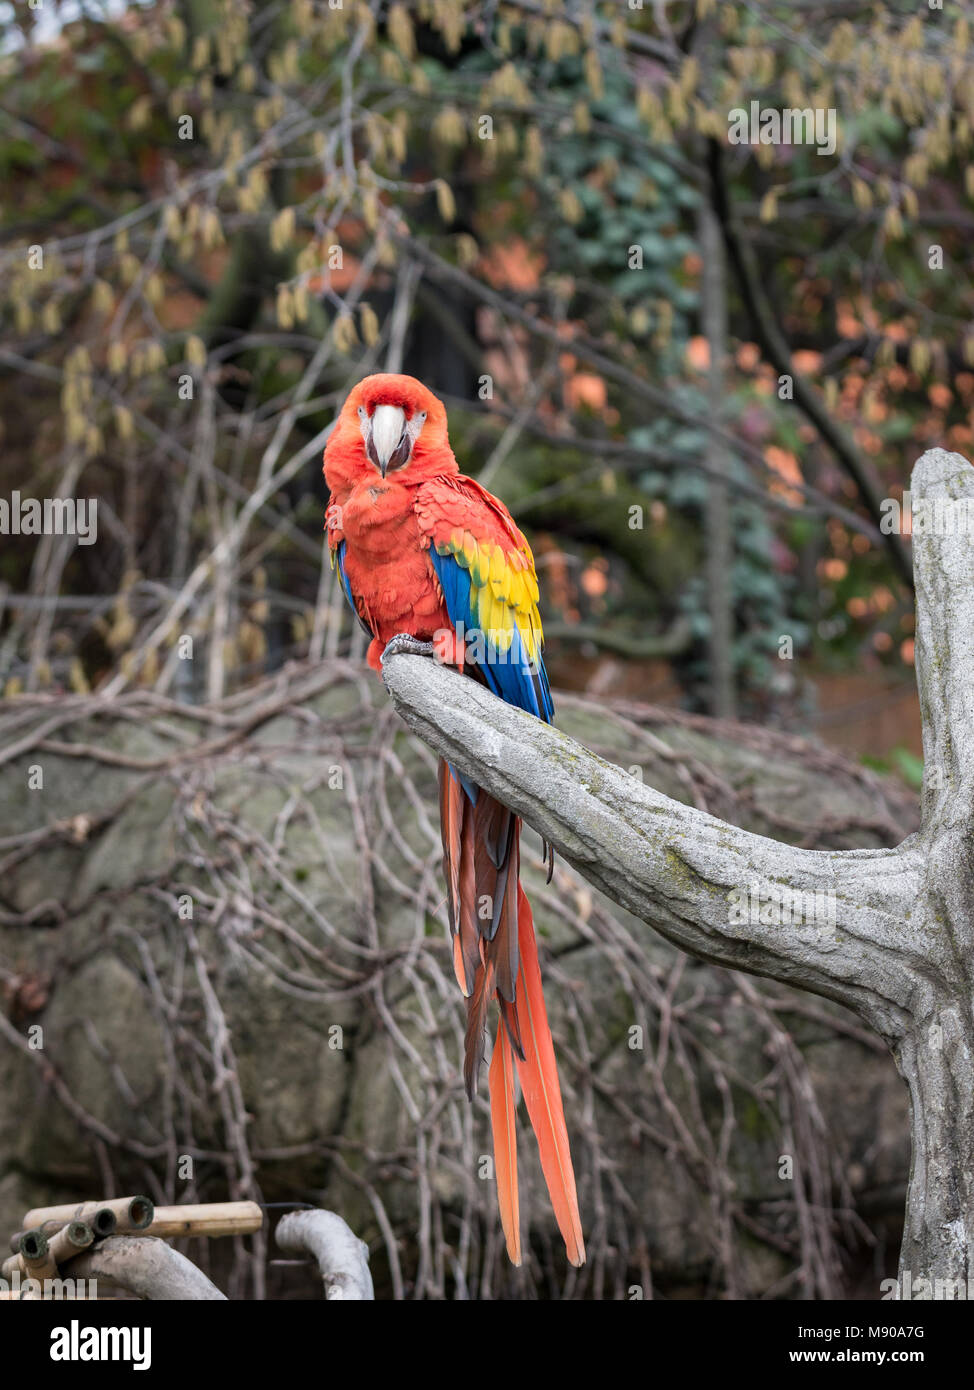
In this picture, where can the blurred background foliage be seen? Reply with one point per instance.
(692, 368)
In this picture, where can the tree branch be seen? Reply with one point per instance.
(897, 941)
(145, 1266)
(342, 1258)
(673, 865)
(685, 872)
(778, 352)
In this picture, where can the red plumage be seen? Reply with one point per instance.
(398, 506)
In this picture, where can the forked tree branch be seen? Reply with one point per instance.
(899, 948)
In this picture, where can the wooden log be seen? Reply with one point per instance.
(206, 1219)
(130, 1213)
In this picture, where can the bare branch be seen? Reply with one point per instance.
(342, 1258)
(670, 864)
(145, 1266)
(898, 947)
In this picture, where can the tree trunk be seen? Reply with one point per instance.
(938, 1238)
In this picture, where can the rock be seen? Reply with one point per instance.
(229, 925)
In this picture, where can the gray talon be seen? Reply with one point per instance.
(404, 644)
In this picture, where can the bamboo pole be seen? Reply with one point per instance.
(49, 1228)
(130, 1213)
(36, 1254)
(102, 1222)
(39, 1257)
(70, 1240)
(207, 1219)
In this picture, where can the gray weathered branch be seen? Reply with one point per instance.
(145, 1266)
(895, 942)
(342, 1258)
(671, 864)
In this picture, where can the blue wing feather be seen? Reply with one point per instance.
(516, 678)
(347, 588)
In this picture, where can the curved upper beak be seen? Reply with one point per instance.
(388, 445)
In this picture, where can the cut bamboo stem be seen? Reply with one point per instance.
(102, 1223)
(36, 1254)
(207, 1219)
(40, 1255)
(70, 1240)
(130, 1213)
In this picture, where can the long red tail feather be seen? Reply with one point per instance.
(495, 955)
(538, 1075)
(503, 1104)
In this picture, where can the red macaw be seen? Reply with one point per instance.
(425, 552)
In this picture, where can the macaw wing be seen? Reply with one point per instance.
(338, 562)
(486, 571)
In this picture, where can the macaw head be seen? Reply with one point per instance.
(390, 425)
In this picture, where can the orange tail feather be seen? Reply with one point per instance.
(496, 956)
(500, 1078)
(542, 1094)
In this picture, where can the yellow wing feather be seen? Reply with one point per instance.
(504, 590)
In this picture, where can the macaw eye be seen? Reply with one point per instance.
(361, 412)
(421, 416)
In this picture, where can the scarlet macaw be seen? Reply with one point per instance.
(426, 555)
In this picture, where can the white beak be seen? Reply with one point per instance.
(388, 423)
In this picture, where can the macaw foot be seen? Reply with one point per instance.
(405, 644)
